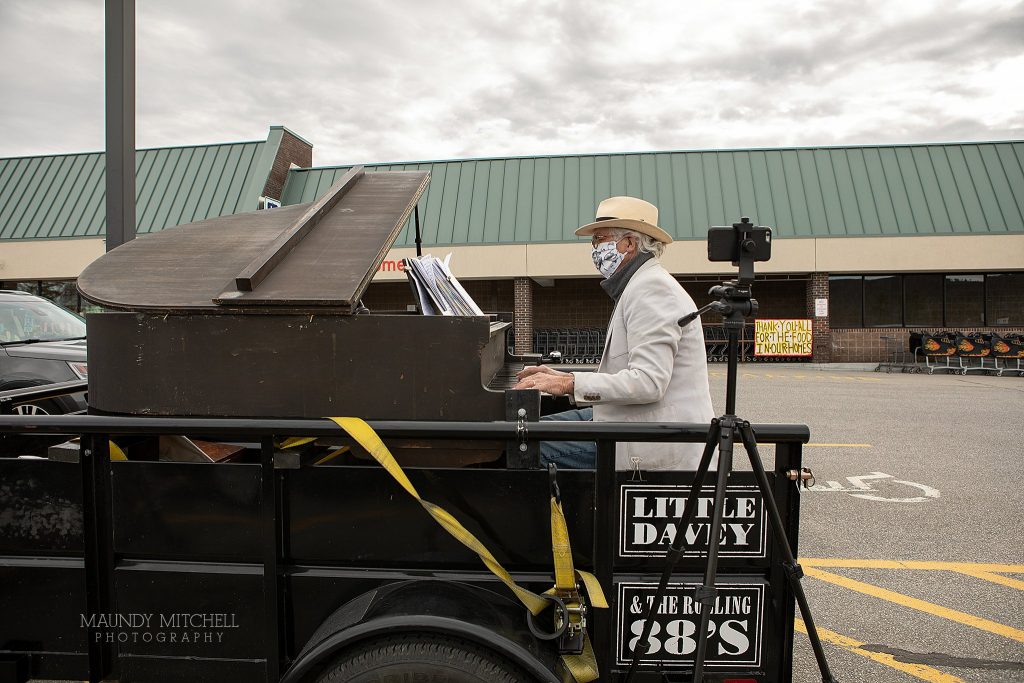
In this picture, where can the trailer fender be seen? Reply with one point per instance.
(443, 607)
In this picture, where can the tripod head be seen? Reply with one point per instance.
(742, 244)
(735, 303)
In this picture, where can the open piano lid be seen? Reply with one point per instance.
(310, 256)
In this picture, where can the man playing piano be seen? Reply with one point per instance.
(651, 370)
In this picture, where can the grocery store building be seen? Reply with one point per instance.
(870, 241)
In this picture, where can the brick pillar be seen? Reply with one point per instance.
(523, 318)
(817, 288)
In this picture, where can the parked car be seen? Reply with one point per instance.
(41, 343)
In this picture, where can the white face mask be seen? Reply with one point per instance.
(607, 258)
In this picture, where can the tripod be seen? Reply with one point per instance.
(735, 303)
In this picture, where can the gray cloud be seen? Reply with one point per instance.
(430, 79)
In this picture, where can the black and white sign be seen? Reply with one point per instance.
(650, 515)
(734, 632)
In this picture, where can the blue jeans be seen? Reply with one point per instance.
(574, 455)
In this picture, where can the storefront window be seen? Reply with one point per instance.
(965, 300)
(1004, 299)
(61, 292)
(922, 300)
(87, 307)
(883, 301)
(30, 286)
(845, 299)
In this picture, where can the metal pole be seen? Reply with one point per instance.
(270, 540)
(120, 121)
(603, 629)
(733, 369)
(98, 551)
(419, 239)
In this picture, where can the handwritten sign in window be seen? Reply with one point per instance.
(776, 337)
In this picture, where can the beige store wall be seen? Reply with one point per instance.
(63, 259)
(573, 260)
(829, 255)
(57, 259)
(947, 253)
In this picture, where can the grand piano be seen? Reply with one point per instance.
(258, 315)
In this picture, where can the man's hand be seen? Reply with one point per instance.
(546, 379)
(535, 369)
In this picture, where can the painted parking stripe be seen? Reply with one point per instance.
(924, 673)
(920, 605)
(857, 563)
(994, 578)
(986, 571)
(859, 488)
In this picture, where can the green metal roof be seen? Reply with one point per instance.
(63, 195)
(967, 188)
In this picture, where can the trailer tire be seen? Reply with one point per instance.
(427, 657)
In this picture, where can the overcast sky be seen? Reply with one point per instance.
(422, 79)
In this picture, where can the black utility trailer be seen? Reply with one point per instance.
(301, 560)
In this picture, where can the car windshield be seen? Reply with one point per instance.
(37, 320)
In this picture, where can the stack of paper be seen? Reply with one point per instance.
(437, 291)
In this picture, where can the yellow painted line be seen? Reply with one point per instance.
(994, 578)
(921, 671)
(840, 445)
(912, 564)
(920, 605)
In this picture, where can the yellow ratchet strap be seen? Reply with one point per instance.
(296, 441)
(583, 667)
(115, 452)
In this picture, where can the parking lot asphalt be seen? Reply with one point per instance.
(912, 537)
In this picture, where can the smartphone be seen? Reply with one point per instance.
(724, 243)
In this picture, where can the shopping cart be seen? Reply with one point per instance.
(897, 355)
(936, 350)
(1008, 352)
(716, 343)
(974, 353)
(594, 346)
(747, 344)
(540, 342)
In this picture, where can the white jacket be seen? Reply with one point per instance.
(652, 370)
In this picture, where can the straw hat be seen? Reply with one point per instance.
(628, 213)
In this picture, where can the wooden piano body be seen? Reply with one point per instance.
(254, 315)
(383, 367)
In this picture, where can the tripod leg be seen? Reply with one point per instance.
(675, 552)
(793, 571)
(705, 595)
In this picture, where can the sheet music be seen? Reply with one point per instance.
(463, 298)
(438, 292)
(421, 273)
(419, 290)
